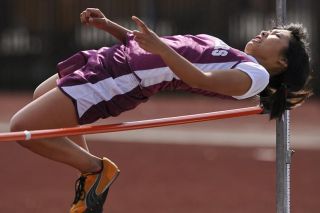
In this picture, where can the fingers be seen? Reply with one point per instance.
(138, 36)
(146, 38)
(83, 18)
(94, 12)
(96, 21)
(137, 33)
(141, 25)
(89, 14)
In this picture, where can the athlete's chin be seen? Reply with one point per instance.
(249, 47)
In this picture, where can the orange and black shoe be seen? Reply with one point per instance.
(92, 189)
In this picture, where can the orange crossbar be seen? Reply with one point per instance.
(87, 129)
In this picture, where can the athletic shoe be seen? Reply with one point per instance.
(92, 189)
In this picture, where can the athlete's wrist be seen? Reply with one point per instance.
(107, 24)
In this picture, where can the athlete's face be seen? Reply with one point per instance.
(268, 48)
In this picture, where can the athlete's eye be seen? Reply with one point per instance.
(276, 33)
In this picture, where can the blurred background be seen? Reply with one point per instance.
(221, 166)
(36, 34)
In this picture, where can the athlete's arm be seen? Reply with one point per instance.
(231, 82)
(94, 17)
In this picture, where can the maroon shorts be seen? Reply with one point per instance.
(100, 83)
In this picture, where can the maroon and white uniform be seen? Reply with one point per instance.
(109, 81)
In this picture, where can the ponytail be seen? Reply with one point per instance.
(275, 100)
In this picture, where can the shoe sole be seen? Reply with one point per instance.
(107, 187)
(117, 172)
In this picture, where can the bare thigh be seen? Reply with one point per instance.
(45, 87)
(52, 110)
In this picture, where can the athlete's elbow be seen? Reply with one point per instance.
(200, 83)
(236, 91)
(224, 89)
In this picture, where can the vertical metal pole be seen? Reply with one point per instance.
(281, 11)
(283, 151)
(283, 161)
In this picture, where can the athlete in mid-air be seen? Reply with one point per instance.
(96, 84)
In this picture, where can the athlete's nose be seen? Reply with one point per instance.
(264, 33)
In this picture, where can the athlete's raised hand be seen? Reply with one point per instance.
(147, 39)
(94, 17)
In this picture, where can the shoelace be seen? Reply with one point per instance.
(79, 188)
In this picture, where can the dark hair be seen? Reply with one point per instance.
(289, 89)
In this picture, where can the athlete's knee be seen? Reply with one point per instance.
(38, 92)
(45, 86)
(17, 124)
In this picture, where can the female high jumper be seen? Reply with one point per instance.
(96, 84)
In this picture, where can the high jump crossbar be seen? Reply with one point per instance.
(87, 129)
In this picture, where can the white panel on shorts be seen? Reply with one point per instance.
(87, 95)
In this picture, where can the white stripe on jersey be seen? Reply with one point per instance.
(155, 76)
(216, 66)
(89, 94)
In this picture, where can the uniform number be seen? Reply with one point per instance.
(219, 52)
